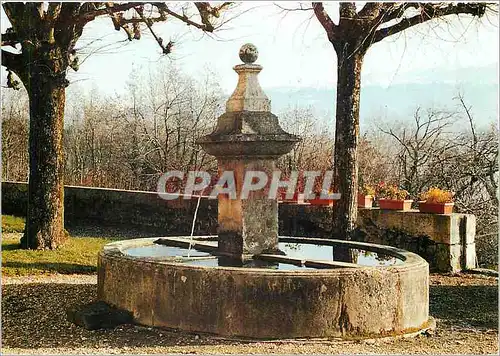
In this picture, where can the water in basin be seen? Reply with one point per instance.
(157, 250)
(325, 253)
(302, 251)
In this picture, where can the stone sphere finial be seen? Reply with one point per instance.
(248, 53)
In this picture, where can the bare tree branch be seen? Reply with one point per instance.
(300, 8)
(12, 62)
(163, 8)
(14, 12)
(109, 8)
(10, 38)
(53, 11)
(467, 110)
(166, 49)
(324, 19)
(429, 11)
(347, 11)
(371, 9)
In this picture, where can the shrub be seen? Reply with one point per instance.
(437, 196)
(487, 250)
(384, 191)
(366, 189)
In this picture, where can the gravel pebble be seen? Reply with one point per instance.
(52, 278)
(34, 322)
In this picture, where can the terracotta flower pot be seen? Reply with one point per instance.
(324, 202)
(296, 199)
(435, 208)
(390, 204)
(282, 196)
(365, 201)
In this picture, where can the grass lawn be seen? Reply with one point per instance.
(77, 255)
(12, 223)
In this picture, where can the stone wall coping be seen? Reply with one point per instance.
(114, 190)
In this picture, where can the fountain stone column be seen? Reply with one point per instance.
(247, 137)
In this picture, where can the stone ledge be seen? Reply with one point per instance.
(439, 227)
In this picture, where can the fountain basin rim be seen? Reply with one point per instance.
(235, 301)
(205, 243)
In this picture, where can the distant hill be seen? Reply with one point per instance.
(397, 101)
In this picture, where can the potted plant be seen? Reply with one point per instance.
(390, 197)
(365, 196)
(318, 190)
(282, 196)
(319, 201)
(297, 196)
(436, 201)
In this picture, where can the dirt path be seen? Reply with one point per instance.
(33, 322)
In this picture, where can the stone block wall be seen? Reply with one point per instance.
(445, 241)
(122, 207)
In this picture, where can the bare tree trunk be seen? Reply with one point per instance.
(45, 218)
(47, 35)
(345, 212)
(346, 142)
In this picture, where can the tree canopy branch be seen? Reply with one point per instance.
(205, 10)
(166, 49)
(324, 19)
(347, 11)
(12, 62)
(53, 11)
(429, 11)
(371, 9)
(64, 29)
(10, 38)
(163, 9)
(14, 12)
(109, 8)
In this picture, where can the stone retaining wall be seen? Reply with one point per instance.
(445, 241)
(121, 207)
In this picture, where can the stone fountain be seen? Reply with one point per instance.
(247, 137)
(247, 281)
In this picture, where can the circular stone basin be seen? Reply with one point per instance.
(182, 283)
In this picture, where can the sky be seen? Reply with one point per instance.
(293, 49)
(295, 54)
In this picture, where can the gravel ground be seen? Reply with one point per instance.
(33, 322)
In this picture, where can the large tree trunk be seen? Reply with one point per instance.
(345, 212)
(45, 218)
